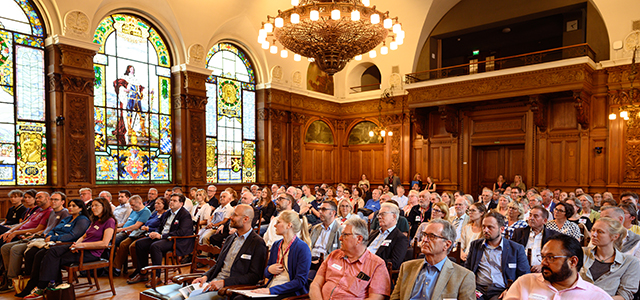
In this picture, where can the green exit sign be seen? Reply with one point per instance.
(476, 52)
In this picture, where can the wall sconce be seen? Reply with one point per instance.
(598, 150)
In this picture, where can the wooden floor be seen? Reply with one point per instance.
(124, 291)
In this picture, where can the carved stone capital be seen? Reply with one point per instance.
(450, 117)
(582, 100)
(263, 113)
(539, 109)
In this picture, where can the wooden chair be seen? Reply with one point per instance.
(170, 261)
(393, 274)
(257, 227)
(225, 291)
(93, 266)
(165, 292)
(586, 235)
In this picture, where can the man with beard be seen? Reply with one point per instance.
(419, 213)
(283, 202)
(241, 259)
(495, 260)
(435, 276)
(562, 258)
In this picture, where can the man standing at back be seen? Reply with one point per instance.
(392, 181)
(435, 276)
(495, 260)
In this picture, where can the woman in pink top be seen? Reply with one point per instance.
(96, 239)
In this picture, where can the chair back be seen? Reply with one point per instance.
(586, 235)
(455, 254)
(257, 228)
(203, 254)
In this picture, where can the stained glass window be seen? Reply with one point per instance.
(231, 116)
(132, 103)
(23, 143)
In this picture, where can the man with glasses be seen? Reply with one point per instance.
(435, 276)
(562, 258)
(389, 243)
(325, 237)
(461, 218)
(487, 199)
(352, 272)
(534, 236)
(419, 213)
(283, 202)
(495, 260)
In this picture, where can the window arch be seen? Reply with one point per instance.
(132, 103)
(231, 116)
(359, 134)
(23, 143)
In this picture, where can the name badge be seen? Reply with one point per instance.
(68, 225)
(96, 227)
(417, 218)
(176, 222)
(512, 265)
(337, 267)
(58, 217)
(385, 243)
(335, 245)
(537, 297)
(245, 256)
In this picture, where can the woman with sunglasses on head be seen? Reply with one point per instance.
(514, 219)
(473, 230)
(289, 260)
(68, 230)
(605, 266)
(94, 241)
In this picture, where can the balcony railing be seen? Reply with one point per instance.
(364, 88)
(504, 63)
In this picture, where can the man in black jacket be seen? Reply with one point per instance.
(243, 255)
(175, 222)
(389, 243)
(534, 236)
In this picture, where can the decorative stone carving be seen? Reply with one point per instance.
(581, 102)
(297, 79)
(419, 121)
(632, 149)
(395, 81)
(263, 113)
(539, 109)
(276, 74)
(196, 55)
(76, 23)
(77, 135)
(72, 84)
(449, 115)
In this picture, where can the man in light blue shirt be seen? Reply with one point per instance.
(138, 216)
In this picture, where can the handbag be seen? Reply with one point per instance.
(19, 283)
(138, 233)
(64, 291)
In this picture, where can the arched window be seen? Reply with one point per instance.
(231, 116)
(23, 143)
(370, 79)
(132, 101)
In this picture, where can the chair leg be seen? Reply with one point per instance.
(89, 277)
(71, 276)
(95, 276)
(113, 289)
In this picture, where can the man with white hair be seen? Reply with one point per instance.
(85, 195)
(219, 216)
(487, 199)
(107, 195)
(400, 197)
(389, 243)
(461, 217)
(419, 213)
(211, 193)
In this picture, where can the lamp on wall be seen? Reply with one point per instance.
(629, 108)
(331, 32)
(381, 131)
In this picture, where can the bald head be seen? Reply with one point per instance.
(241, 218)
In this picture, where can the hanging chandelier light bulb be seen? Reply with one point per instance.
(332, 32)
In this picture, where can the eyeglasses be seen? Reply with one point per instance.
(348, 233)
(511, 207)
(431, 236)
(437, 211)
(550, 258)
(559, 210)
(324, 209)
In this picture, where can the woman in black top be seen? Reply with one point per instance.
(501, 185)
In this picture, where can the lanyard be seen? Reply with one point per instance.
(285, 252)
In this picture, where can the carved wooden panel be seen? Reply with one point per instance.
(598, 161)
(197, 147)
(319, 164)
(492, 161)
(563, 163)
(501, 126)
(78, 135)
(437, 127)
(442, 163)
(276, 151)
(366, 160)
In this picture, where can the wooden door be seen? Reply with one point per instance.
(492, 161)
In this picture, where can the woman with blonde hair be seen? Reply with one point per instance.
(345, 210)
(201, 212)
(473, 230)
(289, 259)
(514, 219)
(440, 210)
(503, 205)
(605, 266)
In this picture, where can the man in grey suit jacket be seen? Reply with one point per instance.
(416, 278)
(325, 237)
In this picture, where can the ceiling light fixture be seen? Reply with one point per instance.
(332, 32)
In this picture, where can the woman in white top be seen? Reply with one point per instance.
(201, 213)
(344, 211)
(473, 230)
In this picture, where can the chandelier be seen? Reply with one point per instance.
(330, 32)
(382, 131)
(627, 96)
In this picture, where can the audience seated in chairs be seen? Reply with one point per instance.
(70, 229)
(138, 216)
(289, 260)
(534, 236)
(127, 246)
(389, 243)
(473, 230)
(176, 222)
(562, 258)
(631, 243)
(420, 213)
(267, 207)
(96, 239)
(607, 267)
(495, 260)
(352, 271)
(219, 217)
(201, 212)
(283, 203)
(435, 276)
(241, 260)
(16, 211)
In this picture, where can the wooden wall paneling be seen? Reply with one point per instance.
(542, 157)
(598, 164)
(366, 165)
(584, 157)
(515, 160)
(528, 173)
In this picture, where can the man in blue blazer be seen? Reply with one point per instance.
(496, 261)
(175, 222)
